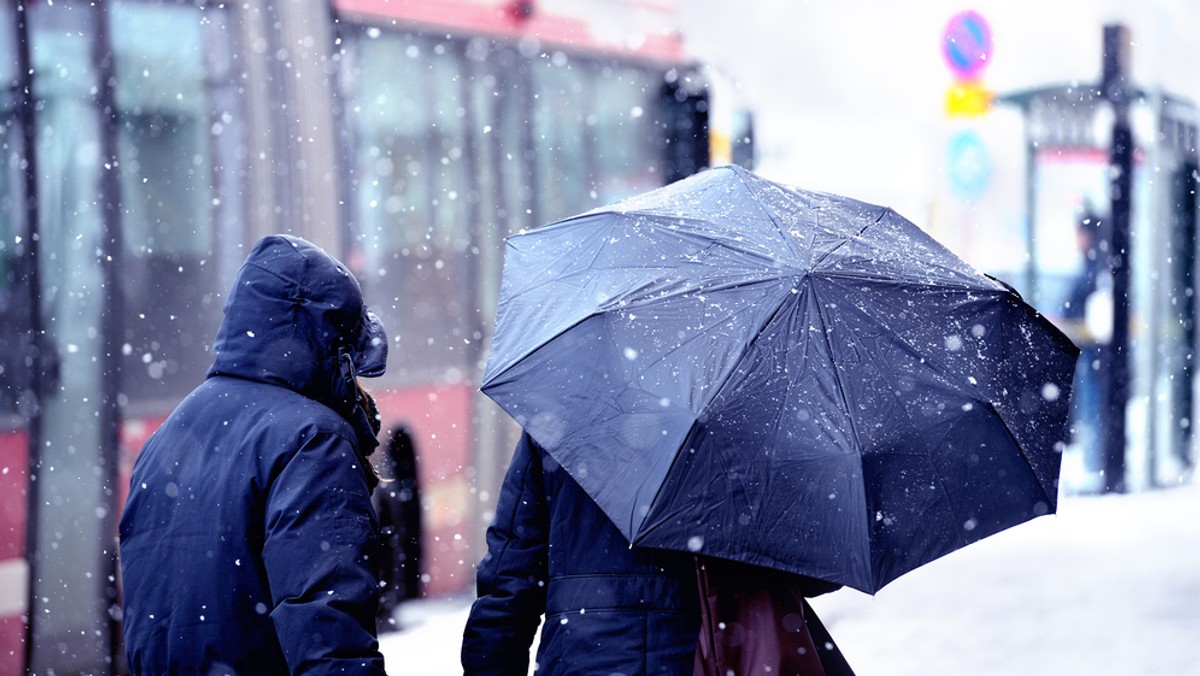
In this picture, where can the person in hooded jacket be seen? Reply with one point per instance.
(247, 540)
(608, 608)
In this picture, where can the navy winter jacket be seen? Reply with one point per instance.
(248, 538)
(609, 609)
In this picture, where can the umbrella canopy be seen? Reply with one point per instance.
(792, 379)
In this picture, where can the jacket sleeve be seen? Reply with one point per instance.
(318, 554)
(511, 579)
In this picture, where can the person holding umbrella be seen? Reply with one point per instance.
(607, 608)
(737, 369)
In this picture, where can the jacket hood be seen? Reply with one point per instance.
(295, 317)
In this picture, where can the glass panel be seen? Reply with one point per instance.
(391, 120)
(448, 133)
(172, 78)
(411, 182)
(594, 133)
(163, 111)
(175, 144)
(509, 132)
(625, 112)
(562, 113)
(70, 611)
(1070, 278)
(496, 120)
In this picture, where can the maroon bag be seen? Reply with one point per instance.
(757, 621)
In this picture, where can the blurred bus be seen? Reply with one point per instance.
(163, 138)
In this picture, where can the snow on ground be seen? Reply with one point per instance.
(1108, 586)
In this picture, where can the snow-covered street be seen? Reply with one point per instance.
(1108, 586)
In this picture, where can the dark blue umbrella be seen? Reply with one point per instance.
(791, 379)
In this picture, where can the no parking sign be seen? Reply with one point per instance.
(967, 44)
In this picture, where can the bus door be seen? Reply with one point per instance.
(111, 291)
(69, 543)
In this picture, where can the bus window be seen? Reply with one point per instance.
(742, 142)
(501, 195)
(448, 178)
(170, 68)
(72, 414)
(624, 119)
(391, 122)
(595, 126)
(561, 105)
(411, 184)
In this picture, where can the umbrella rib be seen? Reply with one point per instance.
(892, 333)
(652, 224)
(787, 240)
(1050, 499)
(846, 241)
(880, 368)
(884, 212)
(724, 383)
(649, 224)
(643, 529)
(603, 311)
(914, 283)
(837, 378)
(854, 431)
(599, 233)
(705, 332)
(579, 245)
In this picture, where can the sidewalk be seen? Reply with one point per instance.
(1108, 586)
(429, 642)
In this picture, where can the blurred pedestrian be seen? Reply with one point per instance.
(248, 538)
(398, 505)
(608, 608)
(1085, 316)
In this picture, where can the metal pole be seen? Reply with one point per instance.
(1115, 89)
(1184, 233)
(344, 149)
(1031, 158)
(112, 326)
(26, 110)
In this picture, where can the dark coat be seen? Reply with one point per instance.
(247, 538)
(609, 609)
(398, 506)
